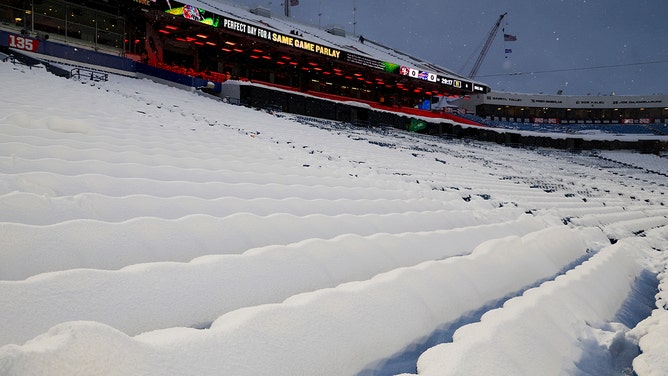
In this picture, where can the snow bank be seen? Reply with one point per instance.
(54, 185)
(133, 299)
(652, 332)
(102, 245)
(623, 229)
(603, 219)
(330, 331)
(192, 172)
(44, 210)
(541, 329)
(175, 176)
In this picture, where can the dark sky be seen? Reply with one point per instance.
(577, 46)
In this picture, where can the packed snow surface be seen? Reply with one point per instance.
(147, 230)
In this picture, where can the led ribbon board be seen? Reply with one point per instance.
(279, 38)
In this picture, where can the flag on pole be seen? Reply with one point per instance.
(509, 37)
(294, 3)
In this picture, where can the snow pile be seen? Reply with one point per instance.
(303, 330)
(148, 230)
(545, 321)
(142, 291)
(102, 245)
(652, 332)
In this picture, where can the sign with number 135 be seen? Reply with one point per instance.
(23, 43)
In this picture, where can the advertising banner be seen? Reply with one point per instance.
(22, 43)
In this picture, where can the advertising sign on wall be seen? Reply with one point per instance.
(23, 43)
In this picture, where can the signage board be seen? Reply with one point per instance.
(293, 41)
(23, 43)
(443, 80)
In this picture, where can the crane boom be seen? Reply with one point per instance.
(485, 48)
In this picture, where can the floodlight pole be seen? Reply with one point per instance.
(287, 8)
(354, 18)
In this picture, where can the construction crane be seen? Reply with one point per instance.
(485, 48)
